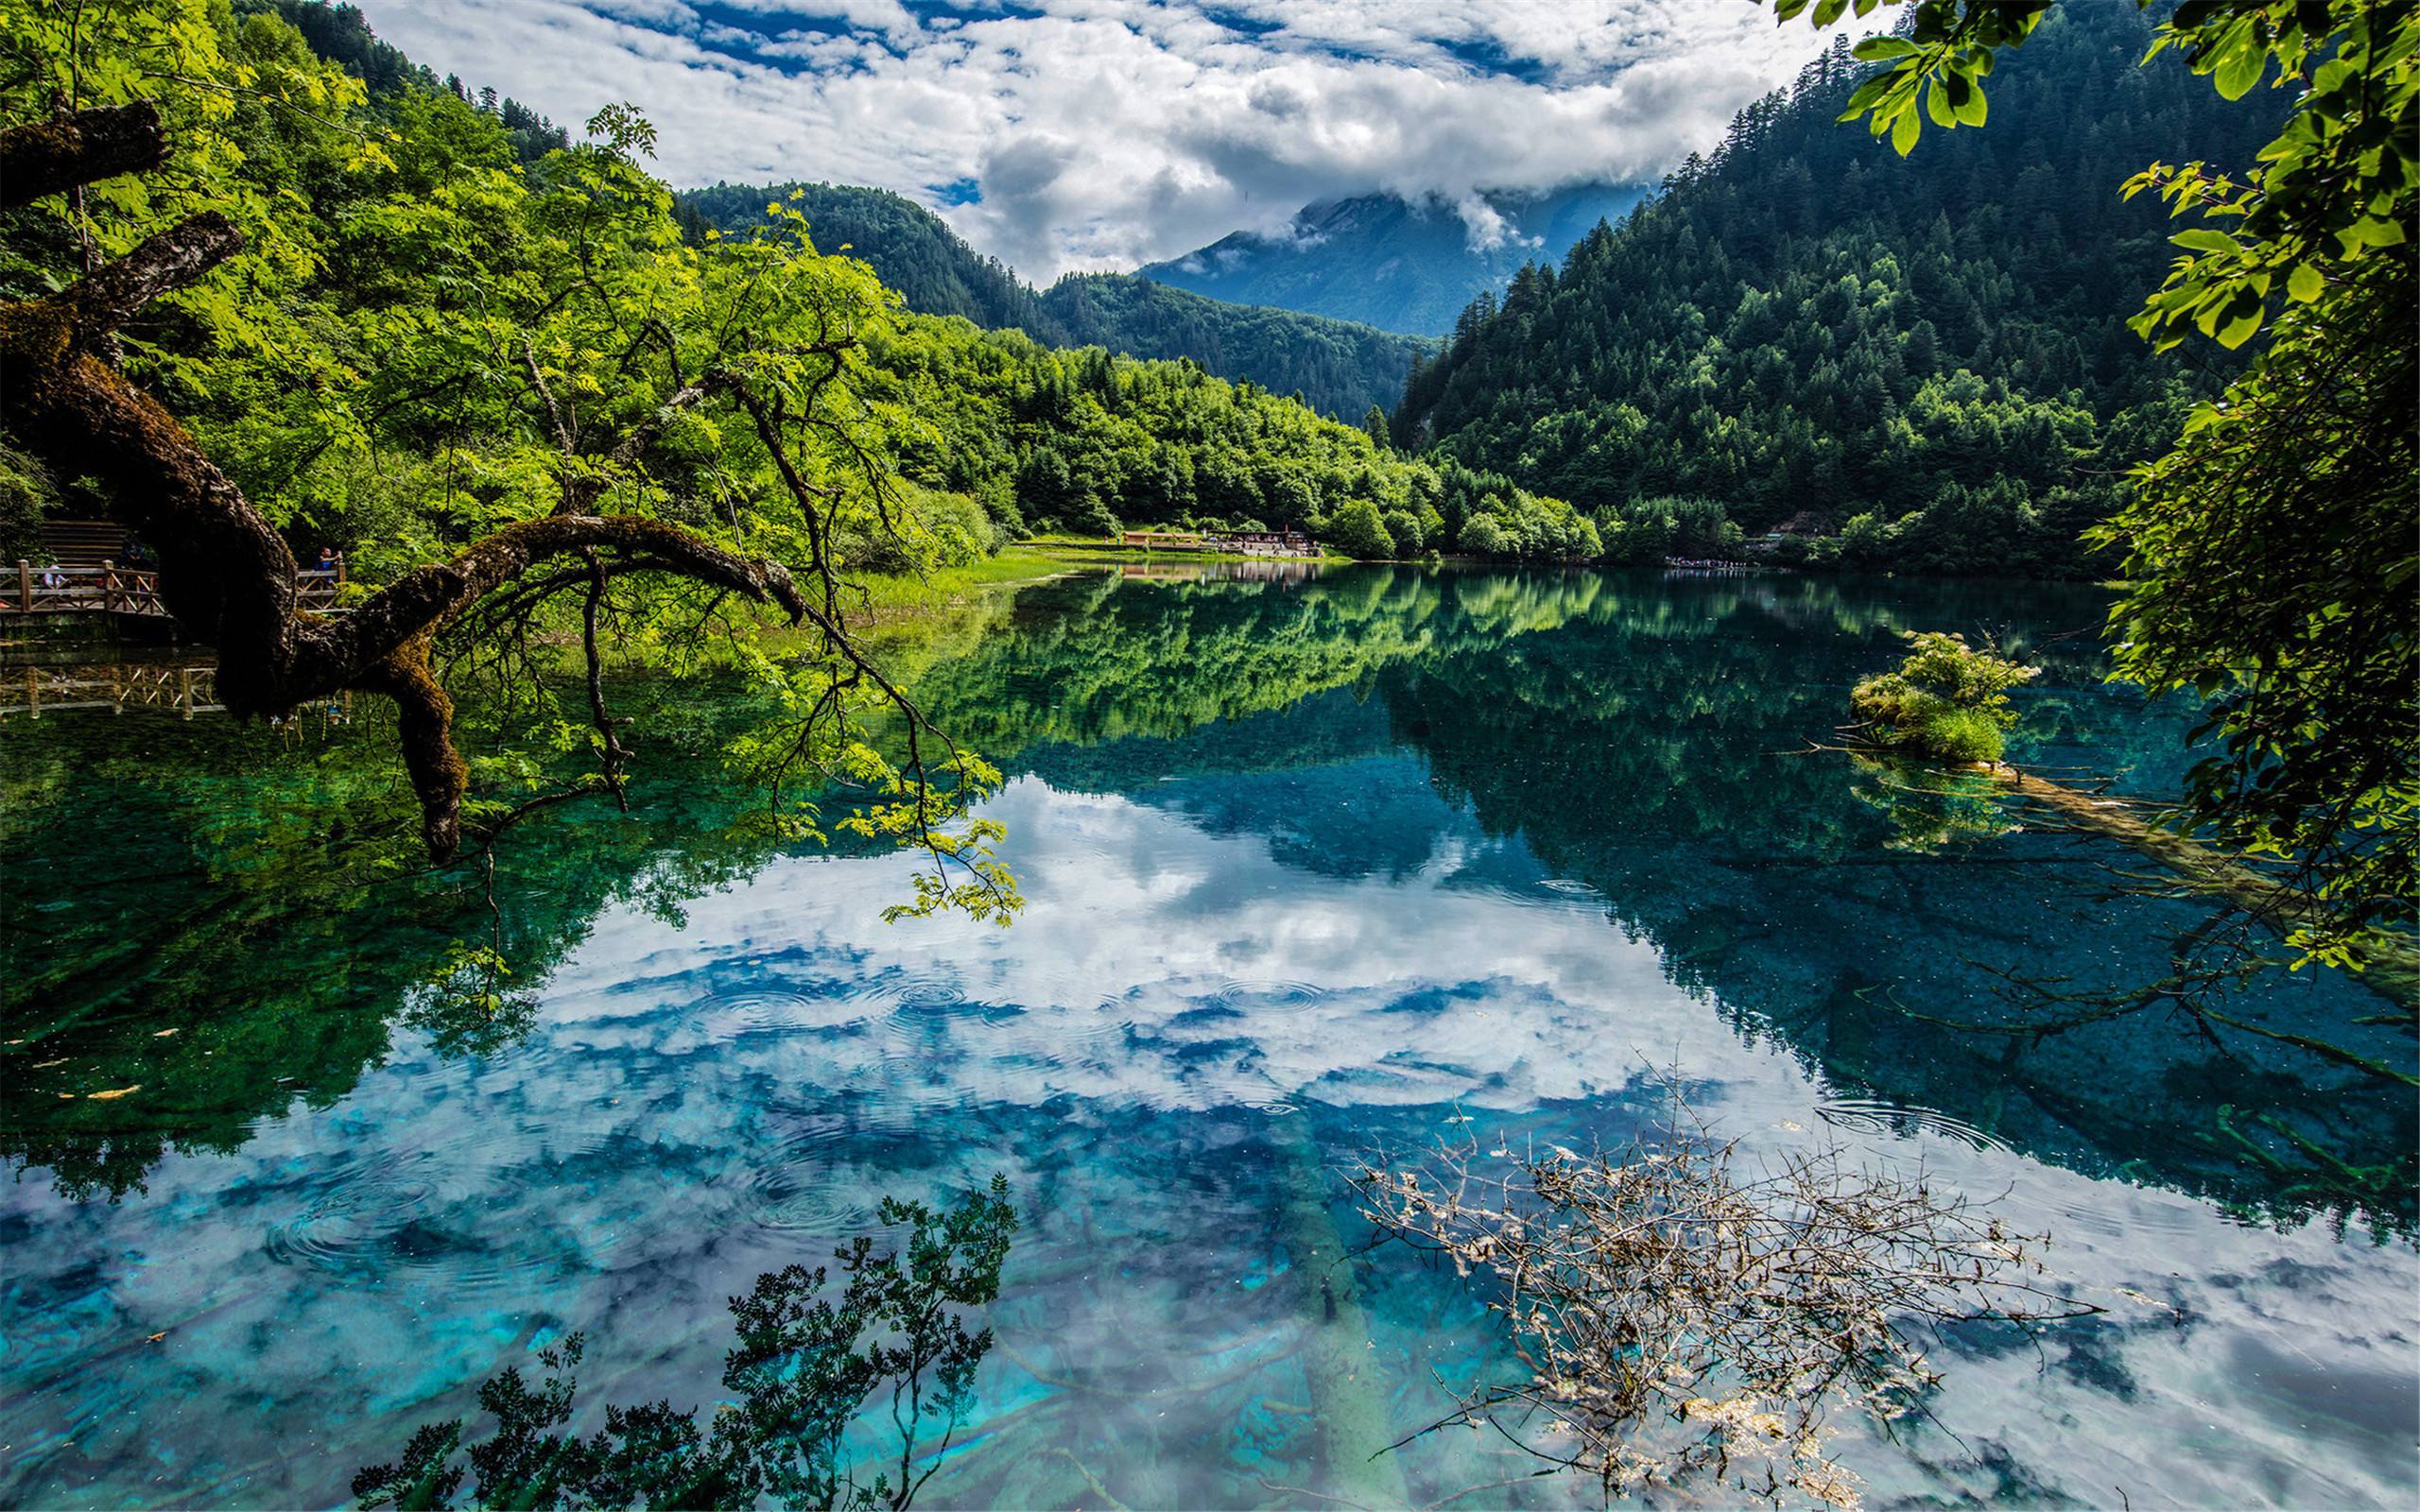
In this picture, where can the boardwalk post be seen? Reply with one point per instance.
(109, 586)
(33, 694)
(184, 692)
(24, 586)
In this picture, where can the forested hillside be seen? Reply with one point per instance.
(908, 245)
(1388, 262)
(1337, 367)
(1925, 355)
(341, 35)
(1333, 366)
(360, 404)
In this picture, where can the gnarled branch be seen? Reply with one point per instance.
(174, 259)
(46, 158)
(226, 574)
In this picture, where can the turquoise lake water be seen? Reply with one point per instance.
(1315, 868)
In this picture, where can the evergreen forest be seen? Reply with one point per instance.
(1334, 367)
(1920, 363)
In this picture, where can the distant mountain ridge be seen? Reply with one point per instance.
(1338, 367)
(1389, 262)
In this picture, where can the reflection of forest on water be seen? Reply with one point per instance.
(1316, 867)
(230, 918)
(1645, 738)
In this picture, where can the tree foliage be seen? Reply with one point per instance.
(1946, 701)
(1805, 330)
(2270, 554)
(805, 1366)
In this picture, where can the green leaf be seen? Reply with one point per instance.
(1867, 94)
(1904, 133)
(2305, 282)
(2240, 318)
(1974, 109)
(2378, 230)
(1936, 106)
(2240, 69)
(2204, 239)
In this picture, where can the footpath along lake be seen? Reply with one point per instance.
(1316, 867)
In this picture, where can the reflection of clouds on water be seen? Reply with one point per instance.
(1871, 1116)
(700, 1102)
(1150, 953)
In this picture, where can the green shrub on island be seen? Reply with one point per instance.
(1947, 702)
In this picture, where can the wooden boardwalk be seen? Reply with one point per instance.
(168, 687)
(132, 591)
(178, 687)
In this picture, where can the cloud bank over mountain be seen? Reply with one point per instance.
(1089, 134)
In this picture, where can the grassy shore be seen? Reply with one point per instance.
(1109, 548)
(894, 596)
(889, 595)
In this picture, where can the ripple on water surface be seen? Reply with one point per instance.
(792, 1185)
(432, 1213)
(1270, 992)
(1872, 1116)
(776, 1010)
(369, 1213)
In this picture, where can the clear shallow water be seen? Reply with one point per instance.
(1314, 869)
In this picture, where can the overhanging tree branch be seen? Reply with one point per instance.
(52, 157)
(226, 574)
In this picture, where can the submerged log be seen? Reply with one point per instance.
(2388, 966)
(1339, 1364)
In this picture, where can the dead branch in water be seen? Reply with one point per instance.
(1681, 1318)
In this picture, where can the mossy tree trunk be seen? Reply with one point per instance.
(225, 572)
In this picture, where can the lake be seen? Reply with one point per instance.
(1317, 866)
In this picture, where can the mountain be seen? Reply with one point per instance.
(1393, 263)
(1927, 353)
(1338, 368)
(909, 247)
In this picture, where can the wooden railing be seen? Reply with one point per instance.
(109, 589)
(174, 689)
(182, 687)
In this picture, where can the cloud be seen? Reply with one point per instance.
(1484, 226)
(1106, 134)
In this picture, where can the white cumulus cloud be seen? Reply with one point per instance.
(1106, 134)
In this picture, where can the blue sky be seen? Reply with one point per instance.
(1083, 134)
